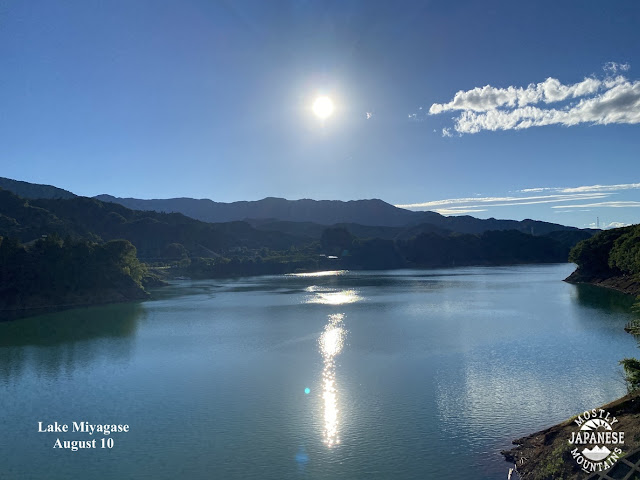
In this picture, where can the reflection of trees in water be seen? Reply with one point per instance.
(58, 343)
(192, 288)
(633, 327)
(604, 299)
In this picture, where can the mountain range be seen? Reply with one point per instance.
(372, 212)
(33, 190)
(70, 249)
(272, 222)
(271, 212)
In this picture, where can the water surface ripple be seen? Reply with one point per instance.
(344, 375)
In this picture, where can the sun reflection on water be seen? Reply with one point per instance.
(331, 342)
(325, 273)
(340, 297)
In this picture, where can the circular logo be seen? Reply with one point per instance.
(596, 443)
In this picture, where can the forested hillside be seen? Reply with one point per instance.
(54, 273)
(610, 258)
(78, 250)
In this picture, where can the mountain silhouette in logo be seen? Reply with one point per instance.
(596, 453)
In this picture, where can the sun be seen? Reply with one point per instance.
(323, 107)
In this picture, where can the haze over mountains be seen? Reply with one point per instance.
(372, 212)
(288, 215)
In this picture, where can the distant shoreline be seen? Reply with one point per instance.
(285, 269)
(158, 278)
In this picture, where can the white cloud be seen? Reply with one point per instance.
(534, 190)
(608, 225)
(505, 201)
(483, 99)
(601, 102)
(613, 67)
(602, 188)
(616, 225)
(458, 210)
(584, 188)
(619, 204)
(599, 196)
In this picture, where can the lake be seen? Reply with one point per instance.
(344, 375)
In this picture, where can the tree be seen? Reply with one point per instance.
(121, 256)
(632, 373)
(625, 253)
(336, 239)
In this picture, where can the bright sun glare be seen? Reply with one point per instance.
(323, 107)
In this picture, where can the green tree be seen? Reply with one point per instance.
(336, 239)
(121, 256)
(625, 254)
(592, 255)
(632, 373)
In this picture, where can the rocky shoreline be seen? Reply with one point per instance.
(546, 455)
(622, 283)
(125, 291)
(37, 305)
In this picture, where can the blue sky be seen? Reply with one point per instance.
(507, 109)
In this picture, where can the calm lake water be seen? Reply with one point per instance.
(410, 374)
